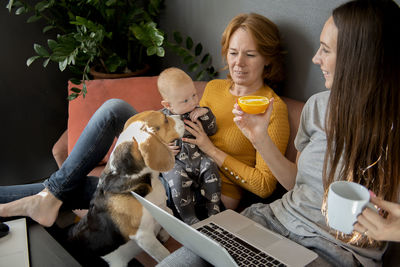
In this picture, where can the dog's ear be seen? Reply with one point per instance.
(157, 154)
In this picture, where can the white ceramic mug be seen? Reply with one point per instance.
(346, 200)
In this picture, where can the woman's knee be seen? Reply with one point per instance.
(116, 105)
(116, 108)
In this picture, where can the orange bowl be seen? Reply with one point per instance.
(253, 104)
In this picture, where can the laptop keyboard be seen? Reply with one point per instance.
(242, 252)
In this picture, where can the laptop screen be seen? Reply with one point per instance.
(189, 237)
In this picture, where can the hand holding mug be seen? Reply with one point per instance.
(378, 227)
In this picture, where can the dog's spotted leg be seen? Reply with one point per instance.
(123, 255)
(163, 235)
(149, 243)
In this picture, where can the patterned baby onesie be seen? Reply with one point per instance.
(194, 170)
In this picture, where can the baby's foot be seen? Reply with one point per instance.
(42, 208)
(213, 209)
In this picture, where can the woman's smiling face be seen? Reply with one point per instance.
(326, 54)
(245, 63)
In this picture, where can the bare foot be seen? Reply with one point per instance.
(42, 207)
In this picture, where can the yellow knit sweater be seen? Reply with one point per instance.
(244, 167)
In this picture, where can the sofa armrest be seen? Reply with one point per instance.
(60, 149)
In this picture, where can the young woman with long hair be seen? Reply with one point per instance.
(362, 128)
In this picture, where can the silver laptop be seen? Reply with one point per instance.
(231, 239)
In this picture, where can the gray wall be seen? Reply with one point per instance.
(300, 23)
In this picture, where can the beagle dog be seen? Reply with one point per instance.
(117, 227)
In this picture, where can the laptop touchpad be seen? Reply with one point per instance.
(259, 235)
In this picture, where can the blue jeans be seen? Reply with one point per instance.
(70, 183)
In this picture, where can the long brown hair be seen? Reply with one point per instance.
(362, 122)
(267, 38)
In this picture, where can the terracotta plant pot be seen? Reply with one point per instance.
(100, 75)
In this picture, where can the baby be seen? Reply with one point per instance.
(193, 169)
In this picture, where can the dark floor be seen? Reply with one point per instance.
(84, 257)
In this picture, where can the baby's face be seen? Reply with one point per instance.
(183, 99)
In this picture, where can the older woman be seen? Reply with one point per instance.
(252, 49)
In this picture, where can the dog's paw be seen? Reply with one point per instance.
(163, 235)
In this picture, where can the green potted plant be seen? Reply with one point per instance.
(199, 62)
(109, 36)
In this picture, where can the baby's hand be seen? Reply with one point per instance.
(174, 148)
(196, 113)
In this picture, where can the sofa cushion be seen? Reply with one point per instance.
(140, 92)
